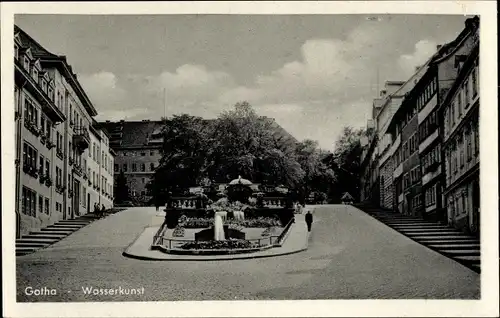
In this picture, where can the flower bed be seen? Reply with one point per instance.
(179, 232)
(264, 222)
(227, 244)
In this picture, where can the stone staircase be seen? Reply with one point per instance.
(457, 245)
(51, 234)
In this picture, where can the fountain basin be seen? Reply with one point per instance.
(178, 251)
(208, 234)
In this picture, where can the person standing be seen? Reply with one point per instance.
(309, 220)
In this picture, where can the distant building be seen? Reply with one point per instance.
(137, 145)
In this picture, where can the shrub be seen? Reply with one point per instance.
(179, 232)
(227, 244)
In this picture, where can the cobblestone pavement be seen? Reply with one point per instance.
(350, 255)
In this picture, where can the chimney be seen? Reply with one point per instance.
(439, 46)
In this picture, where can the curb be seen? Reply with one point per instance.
(127, 254)
(147, 258)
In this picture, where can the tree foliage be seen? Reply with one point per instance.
(238, 143)
(346, 162)
(121, 190)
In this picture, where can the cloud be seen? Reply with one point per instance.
(315, 96)
(103, 89)
(423, 51)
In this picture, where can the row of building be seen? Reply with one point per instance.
(422, 155)
(64, 163)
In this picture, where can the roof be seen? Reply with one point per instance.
(131, 134)
(147, 133)
(464, 71)
(442, 53)
(59, 61)
(346, 196)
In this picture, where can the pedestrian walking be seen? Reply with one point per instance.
(309, 220)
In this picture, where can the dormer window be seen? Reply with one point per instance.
(16, 51)
(51, 93)
(34, 74)
(44, 85)
(26, 62)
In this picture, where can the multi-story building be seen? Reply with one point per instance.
(410, 142)
(99, 169)
(137, 145)
(53, 116)
(433, 88)
(460, 111)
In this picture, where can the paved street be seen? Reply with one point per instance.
(350, 255)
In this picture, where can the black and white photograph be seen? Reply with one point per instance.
(188, 153)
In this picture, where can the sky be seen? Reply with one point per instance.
(314, 74)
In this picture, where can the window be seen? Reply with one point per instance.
(455, 159)
(461, 149)
(474, 82)
(466, 94)
(44, 84)
(47, 168)
(58, 144)
(47, 206)
(143, 154)
(41, 164)
(40, 204)
(143, 167)
(30, 156)
(476, 139)
(116, 167)
(27, 63)
(459, 103)
(464, 201)
(93, 178)
(152, 166)
(151, 153)
(134, 167)
(125, 167)
(143, 180)
(452, 115)
(30, 111)
(58, 177)
(28, 201)
(124, 153)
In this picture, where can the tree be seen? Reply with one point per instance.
(346, 162)
(121, 189)
(183, 157)
(245, 144)
(318, 177)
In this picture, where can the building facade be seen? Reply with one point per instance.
(431, 141)
(99, 169)
(460, 111)
(53, 117)
(137, 145)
